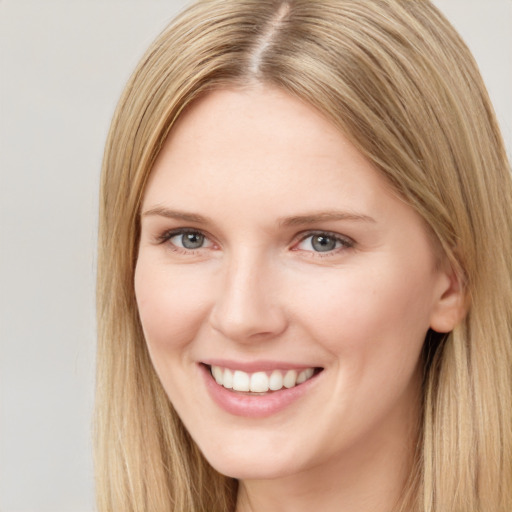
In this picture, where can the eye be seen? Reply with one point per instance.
(323, 242)
(189, 240)
(186, 239)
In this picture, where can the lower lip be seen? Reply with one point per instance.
(258, 406)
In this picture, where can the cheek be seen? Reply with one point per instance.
(171, 306)
(373, 325)
(375, 314)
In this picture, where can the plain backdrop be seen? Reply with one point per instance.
(63, 65)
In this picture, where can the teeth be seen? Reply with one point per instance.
(227, 379)
(217, 374)
(301, 377)
(260, 382)
(276, 380)
(290, 379)
(304, 375)
(241, 381)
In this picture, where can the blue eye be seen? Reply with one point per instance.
(324, 242)
(186, 239)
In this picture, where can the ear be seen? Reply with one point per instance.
(450, 302)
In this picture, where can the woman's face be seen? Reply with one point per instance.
(274, 255)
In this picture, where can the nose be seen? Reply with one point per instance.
(247, 306)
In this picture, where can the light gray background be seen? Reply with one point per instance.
(63, 65)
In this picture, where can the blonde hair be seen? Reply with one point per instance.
(396, 78)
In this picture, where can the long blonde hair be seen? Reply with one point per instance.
(396, 78)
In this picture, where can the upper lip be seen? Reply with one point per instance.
(257, 366)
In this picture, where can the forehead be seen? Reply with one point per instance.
(258, 141)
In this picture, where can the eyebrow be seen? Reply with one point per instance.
(296, 220)
(331, 215)
(176, 214)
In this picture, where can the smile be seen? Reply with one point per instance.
(261, 389)
(260, 382)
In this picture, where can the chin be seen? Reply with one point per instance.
(243, 468)
(255, 459)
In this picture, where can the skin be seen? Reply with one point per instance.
(245, 159)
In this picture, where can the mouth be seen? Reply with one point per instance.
(259, 390)
(261, 382)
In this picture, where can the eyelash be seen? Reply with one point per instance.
(166, 237)
(344, 241)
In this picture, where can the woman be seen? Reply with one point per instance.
(305, 286)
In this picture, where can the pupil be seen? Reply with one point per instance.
(322, 243)
(192, 240)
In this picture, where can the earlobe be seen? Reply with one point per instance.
(450, 305)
